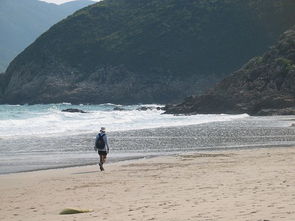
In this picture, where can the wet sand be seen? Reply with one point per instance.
(256, 184)
(35, 153)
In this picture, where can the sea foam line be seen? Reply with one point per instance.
(50, 121)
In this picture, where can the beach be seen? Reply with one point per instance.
(22, 153)
(246, 184)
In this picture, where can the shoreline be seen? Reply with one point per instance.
(252, 184)
(74, 166)
(28, 155)
(135, 158)
(155, 155)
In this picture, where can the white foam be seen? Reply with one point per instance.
(48, 120)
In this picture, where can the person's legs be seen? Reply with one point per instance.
(102, 159)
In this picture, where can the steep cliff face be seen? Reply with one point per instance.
(1, 85)
(264, 86)
(145, 51)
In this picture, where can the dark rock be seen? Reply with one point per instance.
(2, 86)
(264, 86)
(145, 108)
(269, 112)
(73, 110)
(1, 83)
(119, 109)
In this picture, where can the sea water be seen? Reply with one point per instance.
(34, 137)
(49, 120)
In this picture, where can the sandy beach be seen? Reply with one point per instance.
(255, 184)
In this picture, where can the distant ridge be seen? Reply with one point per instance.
(144, 51)
(263, 86)
(22, 21)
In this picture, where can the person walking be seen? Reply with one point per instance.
(102, 147)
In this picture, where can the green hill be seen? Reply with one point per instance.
(263, 86)
(22, 21)
(124, 51)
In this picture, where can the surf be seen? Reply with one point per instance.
(49, 120)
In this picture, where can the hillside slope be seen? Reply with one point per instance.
(264, 86)
(22, 21)
(146, 51)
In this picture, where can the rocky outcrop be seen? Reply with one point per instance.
(1, 89)
(119, 109)
(74, 110)
(146, 51)
(264, 86)
(105, 85)
(146, 108)
(2, 86)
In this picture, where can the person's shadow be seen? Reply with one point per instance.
(94, 171)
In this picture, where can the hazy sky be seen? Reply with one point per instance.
(61, 1)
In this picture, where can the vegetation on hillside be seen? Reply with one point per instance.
(204, 36)
(22, 21)
(263, 86)
(149, 45)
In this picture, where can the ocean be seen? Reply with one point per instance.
(35, 137)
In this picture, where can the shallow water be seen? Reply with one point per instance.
(25, 153)
(49, 120)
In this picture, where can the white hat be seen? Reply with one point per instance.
(103, 129)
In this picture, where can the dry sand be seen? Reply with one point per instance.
(233, 185)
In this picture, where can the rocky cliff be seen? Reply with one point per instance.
(146, 51)
(263, 86)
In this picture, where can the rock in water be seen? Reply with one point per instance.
(263, 86)
(146, 108)
(119, 109)
(74, 110)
